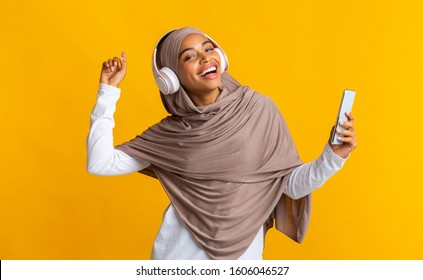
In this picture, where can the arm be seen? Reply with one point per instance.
(308, 177)
(102, 158)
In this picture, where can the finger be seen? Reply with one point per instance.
(110, 62)
(347, 125)
(105, 64)
(331, 131)
(116, 62)
(351, 129)
(350, 116)
(351, 139)
(345, 133)
(348, 140)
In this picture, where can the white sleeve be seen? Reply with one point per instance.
(309, 177)
(102, 157)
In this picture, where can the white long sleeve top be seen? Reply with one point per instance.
(174, 240)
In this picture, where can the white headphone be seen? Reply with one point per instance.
(166, 79)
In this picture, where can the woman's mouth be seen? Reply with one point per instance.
(209, 72)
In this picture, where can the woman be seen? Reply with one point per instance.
(224, 155)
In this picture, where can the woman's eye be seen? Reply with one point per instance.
(188, 57)
(209, 49)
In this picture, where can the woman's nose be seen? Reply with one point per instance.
(206, 58)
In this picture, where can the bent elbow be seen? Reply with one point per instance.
(94, 169)
(294, 196)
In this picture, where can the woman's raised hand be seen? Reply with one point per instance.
(348, 138)
(113, 70)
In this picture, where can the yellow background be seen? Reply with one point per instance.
(301, 53)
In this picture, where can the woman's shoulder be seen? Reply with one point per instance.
(263, 99)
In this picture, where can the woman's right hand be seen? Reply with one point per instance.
(113, 71)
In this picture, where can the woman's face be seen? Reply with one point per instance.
(199, 67)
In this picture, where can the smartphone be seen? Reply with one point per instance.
(346, 106)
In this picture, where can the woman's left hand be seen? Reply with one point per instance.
(348, 138)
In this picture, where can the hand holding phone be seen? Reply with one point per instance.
(346, 106)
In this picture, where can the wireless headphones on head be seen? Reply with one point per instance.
(166, 79)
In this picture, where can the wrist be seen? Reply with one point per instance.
(110, 84)
(340, 152)
(109, 88)
(343, 155)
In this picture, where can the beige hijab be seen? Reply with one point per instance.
(224, 166)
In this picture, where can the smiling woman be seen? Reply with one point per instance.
(197, 67)
(224, 156)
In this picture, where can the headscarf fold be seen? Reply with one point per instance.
(224, 166)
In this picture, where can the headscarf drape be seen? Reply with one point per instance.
(224, 166)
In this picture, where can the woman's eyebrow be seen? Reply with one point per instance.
(187, 49)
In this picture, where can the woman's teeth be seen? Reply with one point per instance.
(208, 70)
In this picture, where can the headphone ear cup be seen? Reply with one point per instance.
(223, 60)
(168, 82)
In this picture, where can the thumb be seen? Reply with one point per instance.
(123, 61)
